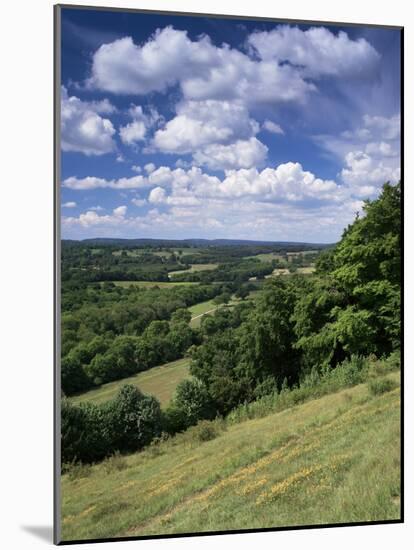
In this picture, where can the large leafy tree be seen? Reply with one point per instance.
(267, 337)
(354, 307)
(367, 265)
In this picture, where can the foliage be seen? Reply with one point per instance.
(205, 431)
(84, 433)
(191, 403)
(354, 308)
(134, 419)
(91, 432)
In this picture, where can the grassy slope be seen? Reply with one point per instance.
(158, 381)
(333, 459)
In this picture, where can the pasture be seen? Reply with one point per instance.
(199, 310)
(159, 381)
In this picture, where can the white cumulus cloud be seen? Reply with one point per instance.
(317, 51)
(136, 130)
(92, 182)
(240, 154)
(219, 134)
(203, 70)
(370, 153)
(366, 174)
(83, 129)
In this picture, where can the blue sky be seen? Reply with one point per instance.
(185, 127)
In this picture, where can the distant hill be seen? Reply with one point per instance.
(105, 241)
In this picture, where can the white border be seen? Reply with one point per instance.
(26, 352)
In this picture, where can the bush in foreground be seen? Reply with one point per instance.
(126, 424)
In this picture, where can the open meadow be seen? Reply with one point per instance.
(159, 381)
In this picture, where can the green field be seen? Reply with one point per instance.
(306, 270)
(187, 251)
(266, 257)
(151, 284)
(158, 381)
(303, 253)
(335, 459)
(277, 272)
(202, 307)
(199, 310)
(194, 268)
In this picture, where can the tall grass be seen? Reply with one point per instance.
(354, 371)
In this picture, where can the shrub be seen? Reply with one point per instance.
(115, 463)
(380, 386)
(205, 431)
(352, 371)
(389, 364)
(83, 432)
(174, 420)
(127, 423)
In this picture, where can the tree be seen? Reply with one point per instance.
(267, 338)
(367, 264)
(242, 292)
(193, 400)
(223, 298)
(134, 419)
(73, 377)
(84, 436)
(181, 315)
(215, 363)
(354, 308)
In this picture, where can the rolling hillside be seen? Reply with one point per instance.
(330, 460)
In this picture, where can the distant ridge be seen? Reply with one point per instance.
(106, 241)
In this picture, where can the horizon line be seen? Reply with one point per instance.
(195, 239)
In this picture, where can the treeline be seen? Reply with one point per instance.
(107, 262)
(300, 328)
(85, 264)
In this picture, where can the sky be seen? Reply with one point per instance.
(194, 127)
